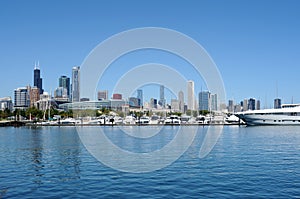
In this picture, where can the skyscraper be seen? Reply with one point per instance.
(181, 101)
(204, 101)
(34, 95)
(230, 106)
(76, 84)
(214, 102)
(64, 82)
(277, 103)
(251, 104)
(22, 100)
(153, 103)
(134, 102)
(258, 105)
(37, 80)
(162, 100)
(245, 105)
(190, 95)
(140, 96)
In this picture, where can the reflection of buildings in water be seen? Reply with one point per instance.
(37, 155)
(68, 146)
(54, 152)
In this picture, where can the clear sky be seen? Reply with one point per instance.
(255, 44)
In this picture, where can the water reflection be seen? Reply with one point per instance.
(36, 150)
(54, 153)
(68, 148)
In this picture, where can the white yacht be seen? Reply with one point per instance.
(155, 119)
(173, 119)
(129, 120)
(143, 120)
(288, 114)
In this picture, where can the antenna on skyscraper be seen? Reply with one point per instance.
(38, 65)
(276, 89)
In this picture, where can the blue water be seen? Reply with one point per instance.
(246, 162)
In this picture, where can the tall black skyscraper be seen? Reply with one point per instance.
(37, 80)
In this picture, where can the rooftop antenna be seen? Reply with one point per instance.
(276, 89)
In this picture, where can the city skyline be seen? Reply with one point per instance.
(203, 100)
(254, 44)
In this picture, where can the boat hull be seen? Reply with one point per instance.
(270, 119)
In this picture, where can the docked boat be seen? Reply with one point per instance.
(155, 119)
(143, 120)
(288, 114)
(129, 120)
(173, 119)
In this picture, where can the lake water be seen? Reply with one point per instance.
(246, 162)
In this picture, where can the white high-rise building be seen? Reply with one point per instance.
(214, 102)
(190, 95)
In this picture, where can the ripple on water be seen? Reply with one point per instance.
(246, 162)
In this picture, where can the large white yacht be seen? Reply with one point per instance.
(288, 114)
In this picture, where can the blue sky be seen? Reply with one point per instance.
(254, 43)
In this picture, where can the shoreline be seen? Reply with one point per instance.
(20, 123)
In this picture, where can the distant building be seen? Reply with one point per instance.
(214, 102)
(46, 102)
(277, 103)
(251, 104)
(6, 103)
(140, 97)
(21, 100)
(84, 99)
(61, 95)
(153, 103)
(162, 100)
(64, 82)
(117, 104)
(174, 105)
(117, 96)
(37, 80)
(102, 95)
(204, 101)
(76, 84)
(237, 108)
(230, 106)
(185, 108)
(245, 105)
(190, 95)
(258, 105)
(181, 101)
(134, 102)
(61, 92)
(34, 95)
